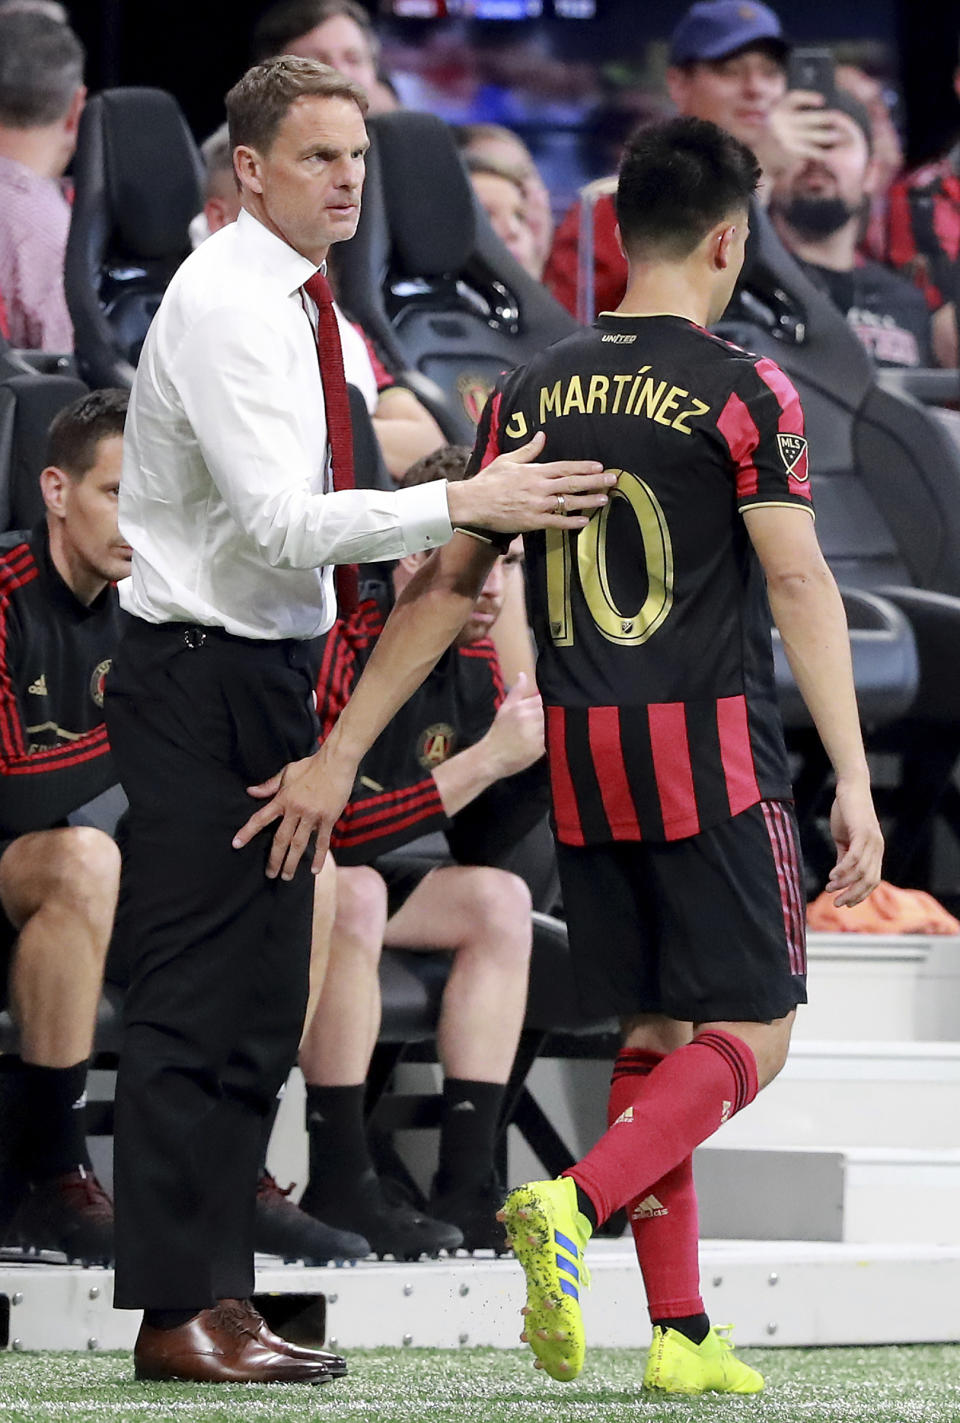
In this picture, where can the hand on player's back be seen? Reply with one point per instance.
(514, 495)
(859, 841)
(515, 739)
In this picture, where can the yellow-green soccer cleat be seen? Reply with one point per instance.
(676, 1365)
(548, 1235)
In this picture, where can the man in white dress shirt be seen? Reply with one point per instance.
(229, 503)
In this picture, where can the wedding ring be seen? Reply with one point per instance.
(561, 505)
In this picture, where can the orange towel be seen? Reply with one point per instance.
(888, 910)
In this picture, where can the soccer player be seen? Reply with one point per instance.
(677, 843)
(678, 847)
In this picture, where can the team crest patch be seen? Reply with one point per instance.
(625, 1116)
(793, 452)
(474, 392)
(98, 680)
(435, 745)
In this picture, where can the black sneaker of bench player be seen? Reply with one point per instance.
(284, 1229)
(474, 1210)
(71, 1213)
(386, 1216)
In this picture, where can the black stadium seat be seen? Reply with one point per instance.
(138, 181)
(28, 403)
(886, 479)
(429, 280)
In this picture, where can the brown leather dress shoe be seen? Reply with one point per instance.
(335, 1364)
(223, 1344)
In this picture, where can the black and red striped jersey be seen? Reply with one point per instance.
(652, 623)
(55, 653)
(395, 798)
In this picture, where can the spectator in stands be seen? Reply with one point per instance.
(728, 64)
(41, 98)
(501, 146)
(500, 194)
(405, 428)
(58, 883)
(819, 210)
(463, 758)
(924, 239)
(337, 32)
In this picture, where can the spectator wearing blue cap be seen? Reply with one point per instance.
(727, 63)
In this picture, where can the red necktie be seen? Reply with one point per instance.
(336, 404)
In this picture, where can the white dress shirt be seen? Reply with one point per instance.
(226, 461)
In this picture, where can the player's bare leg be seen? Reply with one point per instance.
(59, 888)
(344, 1190)
(344, 1029)
(483, 915)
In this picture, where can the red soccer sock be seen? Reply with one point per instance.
(664, 1220)
(686, 1097)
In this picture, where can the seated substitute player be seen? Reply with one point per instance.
(677, 842)
(58, 883)
(678, 848)
(462, 758)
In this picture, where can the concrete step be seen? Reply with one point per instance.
(857, 1195)
(882, 987)
(792, 1293)
(863, 1094)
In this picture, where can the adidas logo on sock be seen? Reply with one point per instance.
(80, 1103)
(626, 1116)
(648, 1208)
(725, 1113)
(464, 1106)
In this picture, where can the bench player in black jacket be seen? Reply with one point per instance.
(58, 883)
(676, 838)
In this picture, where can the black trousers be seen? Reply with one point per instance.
(216, 956)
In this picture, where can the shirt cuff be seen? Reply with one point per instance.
(425, 516)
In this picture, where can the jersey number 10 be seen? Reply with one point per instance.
(618, 625)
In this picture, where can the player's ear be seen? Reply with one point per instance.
(54, 484)
(722, 241)
(619, 236)
(412, 561)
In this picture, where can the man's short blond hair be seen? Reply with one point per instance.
(259, 102)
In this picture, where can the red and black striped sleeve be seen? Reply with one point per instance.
(39, 787)
(485, 450)
(346, 648)
(378, 817)
(762, 427)
(377, 820)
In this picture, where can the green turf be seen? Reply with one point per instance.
(920, 1384)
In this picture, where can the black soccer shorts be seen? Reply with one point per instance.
(707, 929)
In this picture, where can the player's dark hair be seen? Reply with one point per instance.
(678, 179)
(282, 24)
(449, 462)
(77, 430)
(259, 102)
